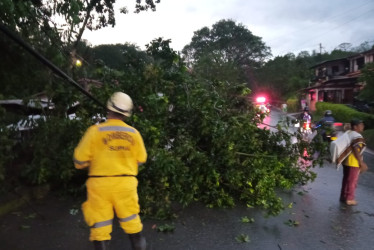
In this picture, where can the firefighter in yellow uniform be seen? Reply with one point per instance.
(112, 151)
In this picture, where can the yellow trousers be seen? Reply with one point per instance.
(109, 195)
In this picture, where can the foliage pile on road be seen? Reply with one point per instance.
(201, 136)
(204, 143)
(200, 130)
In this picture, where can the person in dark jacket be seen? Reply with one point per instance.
(326, 124)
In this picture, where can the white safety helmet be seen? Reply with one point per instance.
(120, 103)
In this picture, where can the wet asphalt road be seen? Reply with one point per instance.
(316, 220)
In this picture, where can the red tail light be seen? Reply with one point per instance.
(338, 124)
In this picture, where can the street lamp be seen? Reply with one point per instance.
(78, 63)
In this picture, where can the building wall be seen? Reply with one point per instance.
(369, 58)
(337, 80)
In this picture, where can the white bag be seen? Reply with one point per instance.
(343, 146)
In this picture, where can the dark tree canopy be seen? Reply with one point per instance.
(60, 41)
(227, 48)
(227, 42)
(120, 56)
(367, 93)
(149, 4)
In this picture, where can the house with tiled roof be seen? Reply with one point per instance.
(338, 81)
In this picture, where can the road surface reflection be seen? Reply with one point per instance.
(270, 122)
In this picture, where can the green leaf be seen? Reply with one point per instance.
(166, 228)
(291, 223)
(242, 238)
(245, 219)
(30, 216)
(25, 227)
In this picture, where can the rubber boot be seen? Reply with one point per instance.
(137, 241)
(101, 245)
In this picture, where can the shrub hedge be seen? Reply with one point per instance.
(345, 114)
(292, 105)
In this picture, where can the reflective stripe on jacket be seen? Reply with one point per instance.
(110, 148)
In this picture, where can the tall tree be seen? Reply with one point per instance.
(77, 15)
(276, 73)
(228, 51)
(120, 56)
(363, 47)
(368, 76)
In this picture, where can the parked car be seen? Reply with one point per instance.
(26, 124)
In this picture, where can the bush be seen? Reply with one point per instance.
(52, 144)
(292, 104)
(345, 114)
(6, 151)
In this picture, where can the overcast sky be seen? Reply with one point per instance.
(284, 25)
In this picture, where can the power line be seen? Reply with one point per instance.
(335, 28)
(62, 48)
(46, 62)
(328, 19)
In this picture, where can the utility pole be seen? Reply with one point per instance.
(320, 48)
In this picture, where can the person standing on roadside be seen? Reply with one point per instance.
(353, 163)
(112, 152)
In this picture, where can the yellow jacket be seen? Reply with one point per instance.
(110, 148)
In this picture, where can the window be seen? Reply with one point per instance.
(360, 62)
(335, 69)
